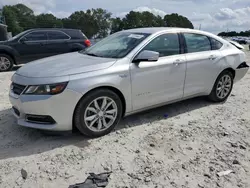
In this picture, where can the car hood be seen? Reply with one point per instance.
(65, 64)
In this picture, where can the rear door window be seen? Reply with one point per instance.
(197, 43)
(57, 35)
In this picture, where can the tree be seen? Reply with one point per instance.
(175, 20)
(48, 21)
(25, 16)
(95, 23)
(137, 19)
(83, 21)
(103, 21)
(132, 20)
(116, 25)
(234, 34)
(11, 20)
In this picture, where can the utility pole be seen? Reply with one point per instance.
(200, 27)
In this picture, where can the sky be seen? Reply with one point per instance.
(212, 15)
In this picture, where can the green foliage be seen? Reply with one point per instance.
(141, 19)
(147, 19)
(95, 23)
(48, 21)
(116, 25)
(234, 34)
(175, 20)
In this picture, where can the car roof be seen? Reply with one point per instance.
(58, 29)
(152, 30)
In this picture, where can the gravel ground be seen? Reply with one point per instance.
(186, 150)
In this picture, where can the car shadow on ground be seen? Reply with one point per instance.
(17, 141)
(164, 112)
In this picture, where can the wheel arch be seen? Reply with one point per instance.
(7, 52)
(230, 69)
(111, 88)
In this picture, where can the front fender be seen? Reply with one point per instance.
(11, 51)
(86, 82)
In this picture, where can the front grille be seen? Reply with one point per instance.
(17, 88)
(40, 119)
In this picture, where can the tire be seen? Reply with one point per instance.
(83, 117)
(6, 63)
(216, 95)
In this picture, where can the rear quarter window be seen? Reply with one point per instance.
(57, 35)
(83, 35)
(216, 45)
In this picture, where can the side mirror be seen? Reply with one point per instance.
(23, 40)
(147, 55)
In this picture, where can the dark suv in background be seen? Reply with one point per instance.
(39, 43)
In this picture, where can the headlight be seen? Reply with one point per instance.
(50, 89)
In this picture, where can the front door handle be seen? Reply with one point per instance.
(178, 62)
(212, 57)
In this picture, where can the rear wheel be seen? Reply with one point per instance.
(98, 113)
(6, 63)
(222, 87)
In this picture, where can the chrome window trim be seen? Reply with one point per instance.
(150, 40)
(46, 31)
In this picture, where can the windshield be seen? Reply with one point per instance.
(18, 35)
(117, 45)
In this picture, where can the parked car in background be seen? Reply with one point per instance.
(35, 44)
(236, 44)
(127, 72)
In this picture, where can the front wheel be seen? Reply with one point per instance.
(222, 87)
(6, 63)
(98, 113)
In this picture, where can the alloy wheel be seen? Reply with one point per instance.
(4, 63)
(100, 114)
(224, 87)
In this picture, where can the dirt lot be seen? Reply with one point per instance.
(186, 150)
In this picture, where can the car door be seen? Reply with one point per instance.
(32, 46)
(158, 82)
(202, 64)
(58, 43)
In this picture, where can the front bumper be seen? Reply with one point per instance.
(59, 107)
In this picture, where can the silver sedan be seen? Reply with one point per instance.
(127, 72)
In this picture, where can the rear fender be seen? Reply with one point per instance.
(77, 47)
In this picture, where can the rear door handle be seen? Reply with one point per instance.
(178, 62)
(212, 57)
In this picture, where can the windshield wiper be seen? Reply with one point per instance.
(92, 54)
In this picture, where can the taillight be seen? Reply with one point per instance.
(87, 43)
